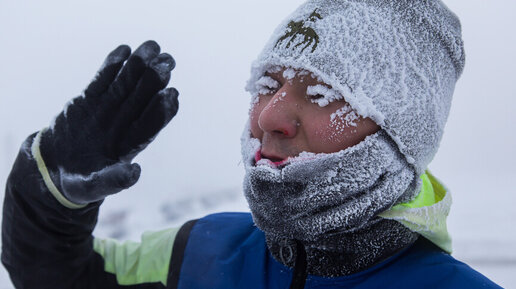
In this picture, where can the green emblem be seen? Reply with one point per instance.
(310, 37)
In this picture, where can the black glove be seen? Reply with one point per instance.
(89, 148)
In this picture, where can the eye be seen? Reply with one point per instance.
(314, 97)
(322, 95)
(267, 85)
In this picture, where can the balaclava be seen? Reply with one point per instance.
(395, 62)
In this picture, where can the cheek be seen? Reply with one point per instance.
(346, 132)
(333, 137)
(343, 125)
(337, 131)
(328, 136)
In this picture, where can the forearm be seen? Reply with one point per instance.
(45, 245)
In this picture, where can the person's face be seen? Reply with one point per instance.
(287, 121)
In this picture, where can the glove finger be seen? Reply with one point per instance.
(75, 116)
(162, 108)
(96, 186)
(108, 71)
(155, 78)
(132, 71)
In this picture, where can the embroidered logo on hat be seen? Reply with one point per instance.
(295, 28)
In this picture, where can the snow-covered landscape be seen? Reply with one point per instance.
(52, 49)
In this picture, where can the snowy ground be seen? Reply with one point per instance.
(51, 49)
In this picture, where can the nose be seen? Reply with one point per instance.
(279, 117)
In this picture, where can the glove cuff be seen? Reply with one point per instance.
(43, 170)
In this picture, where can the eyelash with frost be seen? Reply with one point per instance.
(329, 95)
(266, 84)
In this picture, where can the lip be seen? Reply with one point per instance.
(259, 156)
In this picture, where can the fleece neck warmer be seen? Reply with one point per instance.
(350, 209)
(395, 62)
(330, 202)
(314, 195)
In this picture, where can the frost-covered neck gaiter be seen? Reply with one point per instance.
(314, 195)
(314, 198)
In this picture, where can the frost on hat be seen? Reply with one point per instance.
(393, 61)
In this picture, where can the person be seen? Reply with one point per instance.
(349, 103)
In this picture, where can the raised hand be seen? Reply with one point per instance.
(89, 148)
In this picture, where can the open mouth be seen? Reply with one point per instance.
(259, 158)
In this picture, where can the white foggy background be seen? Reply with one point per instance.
(50, 50)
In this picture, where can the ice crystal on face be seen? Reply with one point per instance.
(280, 98)
(274, 69)
(289, 73)
(344, 116)
(303, 73)
(327, 94)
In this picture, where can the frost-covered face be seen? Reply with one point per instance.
(295, 112)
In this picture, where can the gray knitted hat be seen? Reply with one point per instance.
(395, 61)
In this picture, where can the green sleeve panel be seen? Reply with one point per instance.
(137, 263)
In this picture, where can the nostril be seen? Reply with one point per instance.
(282, 131)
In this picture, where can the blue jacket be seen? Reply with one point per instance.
(237, 257)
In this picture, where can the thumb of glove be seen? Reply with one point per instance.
(85, 189)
